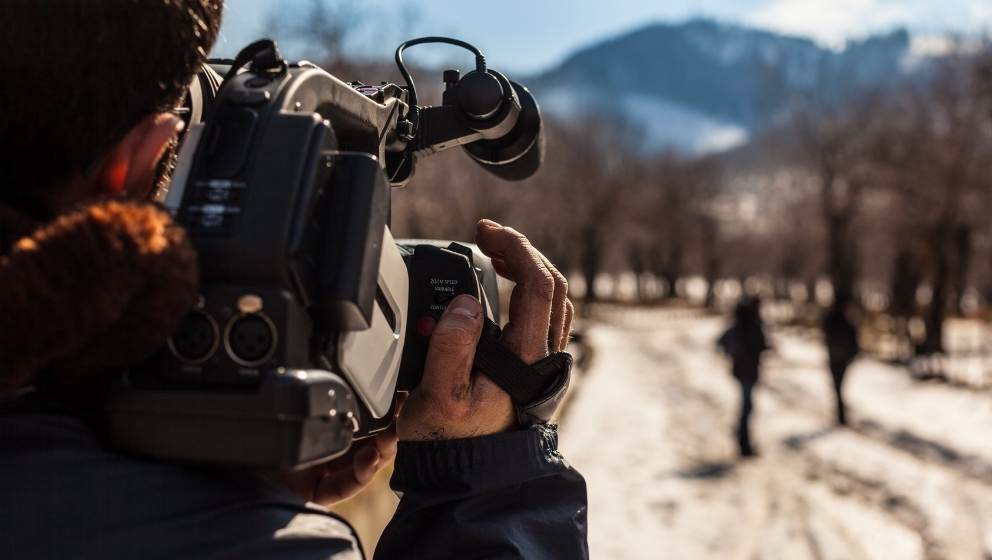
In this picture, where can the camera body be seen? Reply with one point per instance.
(311, 315)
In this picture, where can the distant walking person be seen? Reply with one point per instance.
(841, 336)
(744, 342)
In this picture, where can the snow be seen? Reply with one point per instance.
(670, 124)
(651, 429)
(660, 124)
(730, 44)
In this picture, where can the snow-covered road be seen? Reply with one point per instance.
(651, 428)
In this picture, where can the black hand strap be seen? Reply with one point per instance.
(525, 384)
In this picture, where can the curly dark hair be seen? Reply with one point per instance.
(79, 74)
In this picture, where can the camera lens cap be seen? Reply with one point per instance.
(480, 95)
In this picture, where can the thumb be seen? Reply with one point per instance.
(451, 352)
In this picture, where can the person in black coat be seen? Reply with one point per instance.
(744, 342)
(841, 337)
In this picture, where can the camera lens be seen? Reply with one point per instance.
(196, 339)
(250, 339)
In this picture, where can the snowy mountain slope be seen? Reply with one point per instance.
(660, 124)
(704, 86)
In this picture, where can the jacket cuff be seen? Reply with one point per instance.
(474, 465)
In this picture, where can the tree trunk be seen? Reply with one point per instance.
(711, 260)
(591, 262)
(962, 265)
(671, 268)
(840, 249)
(638, 267)
(905, 283)
(934, 320)
(841, 258)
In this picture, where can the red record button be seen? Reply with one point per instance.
(425, 325)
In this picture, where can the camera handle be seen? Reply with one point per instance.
(264, 56)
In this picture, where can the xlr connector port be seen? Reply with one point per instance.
(250, 339)
(196, 339)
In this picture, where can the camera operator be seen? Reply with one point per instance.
(93, 277)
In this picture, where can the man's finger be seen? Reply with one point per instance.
(521, 260)
(366, 464)
(558, 334)
(569, 313)
(451, 352)
(385, 442)
(351, 476)
(500, 267)
(527, 331)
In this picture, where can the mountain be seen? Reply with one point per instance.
(704, 86)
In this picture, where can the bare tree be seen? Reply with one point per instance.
(838, 143)
(939, 153)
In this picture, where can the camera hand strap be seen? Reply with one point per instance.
(536, 390)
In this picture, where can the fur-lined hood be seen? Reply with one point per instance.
(96, 288)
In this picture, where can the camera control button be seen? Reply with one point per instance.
(425, 325)
(211, 220)
(226, 184)
(217, 195)
(443, 298)
(215, 217)
(218, 191)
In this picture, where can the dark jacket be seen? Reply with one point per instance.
(841, 337)
(509, 495)
(64, 495)
(744, 342)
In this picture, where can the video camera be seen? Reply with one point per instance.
(311, 316)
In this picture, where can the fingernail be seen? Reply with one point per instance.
(465, 305)
(180, 125)
(489, 224)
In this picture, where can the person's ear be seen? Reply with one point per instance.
(130, 165)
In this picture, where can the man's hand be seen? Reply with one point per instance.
(342, 478)
(453, 402)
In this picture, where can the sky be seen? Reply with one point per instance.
(528, 36)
